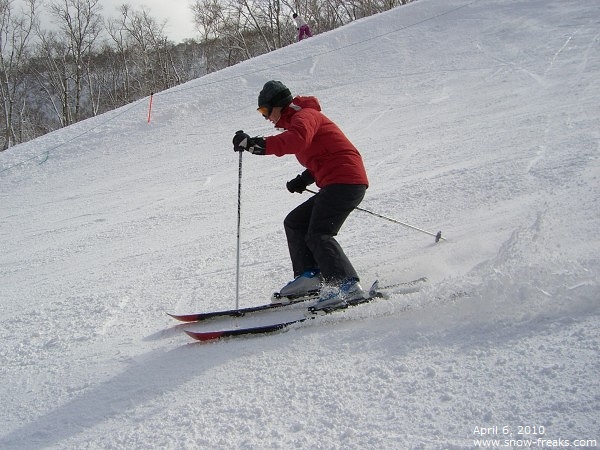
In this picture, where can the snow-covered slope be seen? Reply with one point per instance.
(480, 119)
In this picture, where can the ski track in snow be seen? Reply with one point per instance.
(479, 119)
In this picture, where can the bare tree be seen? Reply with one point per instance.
(235, 30)
(121, 87)
(53, 75)
(209, 17)
(15, 34)
(146, 61)
(150, 49)
(80, 23)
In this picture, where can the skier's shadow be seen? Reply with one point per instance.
(150, 376)
(174, 330)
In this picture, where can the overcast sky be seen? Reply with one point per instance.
(177, 13)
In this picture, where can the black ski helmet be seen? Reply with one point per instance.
(274, 93)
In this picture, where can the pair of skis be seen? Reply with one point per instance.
(375, 292)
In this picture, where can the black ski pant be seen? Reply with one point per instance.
(311, 229)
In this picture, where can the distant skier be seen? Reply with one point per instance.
(318, 261)
(302, 27)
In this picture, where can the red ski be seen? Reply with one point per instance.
(408, 286)
(198, 317)
(310, 313)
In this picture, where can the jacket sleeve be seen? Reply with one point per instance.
(297, 137)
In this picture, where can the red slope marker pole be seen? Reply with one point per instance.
(150, 107)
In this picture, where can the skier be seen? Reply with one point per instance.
(330, 159)
(302, 27)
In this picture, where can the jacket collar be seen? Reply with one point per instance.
(286, 115)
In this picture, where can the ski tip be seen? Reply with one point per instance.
(184, 317)
(204, 336)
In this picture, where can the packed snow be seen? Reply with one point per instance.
(477, 118)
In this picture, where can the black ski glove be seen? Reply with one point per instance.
(300, 183)
(255, 145)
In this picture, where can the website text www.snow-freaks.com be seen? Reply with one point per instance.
(535, 443)
(527, 436)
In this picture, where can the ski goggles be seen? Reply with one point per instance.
(265, 111)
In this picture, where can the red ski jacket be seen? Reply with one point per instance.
(318, 143)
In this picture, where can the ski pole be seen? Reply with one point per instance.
(438, 236)
(239, 220)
